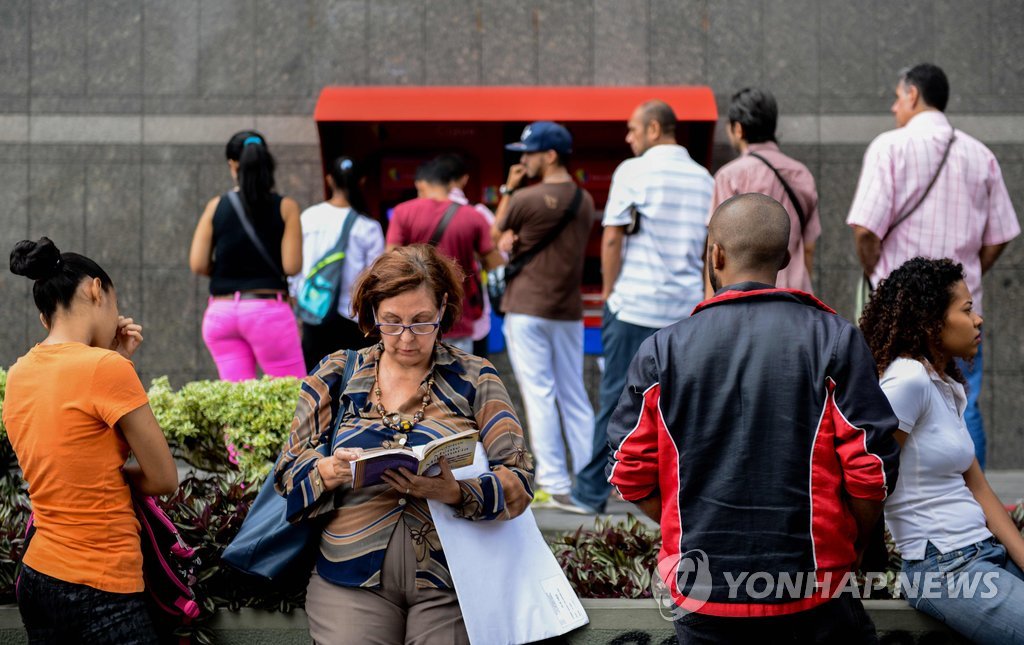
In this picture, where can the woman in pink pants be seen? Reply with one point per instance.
(248, 320)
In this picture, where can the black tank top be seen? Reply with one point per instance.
(237, 264)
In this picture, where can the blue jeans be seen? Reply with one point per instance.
(972, 415)
(621, 340)
(991, 613)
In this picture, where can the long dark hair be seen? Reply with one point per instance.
(56, 275)
(255, 173)
(346, 179)
(907, 312)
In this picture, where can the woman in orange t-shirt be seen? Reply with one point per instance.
(74, 411)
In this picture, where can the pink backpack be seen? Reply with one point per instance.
(168, 564)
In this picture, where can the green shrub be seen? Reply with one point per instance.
(216, 426)
(219, 426)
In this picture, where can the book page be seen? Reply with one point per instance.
(457, 448)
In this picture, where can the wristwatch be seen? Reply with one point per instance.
(505, 190)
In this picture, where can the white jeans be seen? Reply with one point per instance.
(547, 359)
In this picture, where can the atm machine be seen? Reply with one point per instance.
(390, 131)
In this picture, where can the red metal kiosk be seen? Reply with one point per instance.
(389, 131)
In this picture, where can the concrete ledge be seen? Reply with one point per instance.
(610, 621)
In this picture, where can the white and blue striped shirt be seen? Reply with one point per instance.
(661, 278)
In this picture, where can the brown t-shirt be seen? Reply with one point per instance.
(549, 286)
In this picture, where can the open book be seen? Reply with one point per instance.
(422, 460)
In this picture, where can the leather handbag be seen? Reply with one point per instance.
(267, 544)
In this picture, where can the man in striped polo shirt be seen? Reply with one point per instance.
(651, 262)
(959, 209)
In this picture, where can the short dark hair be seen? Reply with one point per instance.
(431, 172)
(56, 275)
(405, 268)
(452, 166)
(931, 83)
(758, 113)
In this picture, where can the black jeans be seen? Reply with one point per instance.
(841, 621)
(55, 611)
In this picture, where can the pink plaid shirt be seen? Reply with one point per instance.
(749, 175)
(967, 208)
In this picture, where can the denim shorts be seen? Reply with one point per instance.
(55, 611)
(976, 590)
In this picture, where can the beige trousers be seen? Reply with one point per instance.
(395, 614)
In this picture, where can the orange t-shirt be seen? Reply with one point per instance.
(61, 406)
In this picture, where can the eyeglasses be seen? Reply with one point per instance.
(419, 329)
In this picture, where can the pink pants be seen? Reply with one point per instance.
(240, 333)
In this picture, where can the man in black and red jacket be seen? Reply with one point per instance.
(756, 433)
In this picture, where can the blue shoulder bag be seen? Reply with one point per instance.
(268, 543)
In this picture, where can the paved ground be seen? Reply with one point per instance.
(1008, 485)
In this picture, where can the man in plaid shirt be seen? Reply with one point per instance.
(966, 215)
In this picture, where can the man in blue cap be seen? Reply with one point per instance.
(545, 228)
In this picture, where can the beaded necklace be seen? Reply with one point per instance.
(393, 420)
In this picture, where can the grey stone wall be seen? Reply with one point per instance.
(113, 114)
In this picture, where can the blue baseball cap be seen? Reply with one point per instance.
(543, 135)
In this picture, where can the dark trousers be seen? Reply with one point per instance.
(620, 341)
(841, 621)
(335, 334)
(55, 611)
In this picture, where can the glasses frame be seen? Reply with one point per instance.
(433, 326)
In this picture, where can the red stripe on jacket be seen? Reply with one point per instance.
(635, 473)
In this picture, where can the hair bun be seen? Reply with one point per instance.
(35, 260)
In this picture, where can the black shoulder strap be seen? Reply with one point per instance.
(236, 204)
(442, 226)
(789, 191)
(518, 262)
(942, 164)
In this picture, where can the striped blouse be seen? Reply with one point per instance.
(467, 394)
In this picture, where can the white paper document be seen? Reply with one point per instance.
(510, 587)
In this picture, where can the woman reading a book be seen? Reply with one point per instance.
(951, 529)
(381, 575)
